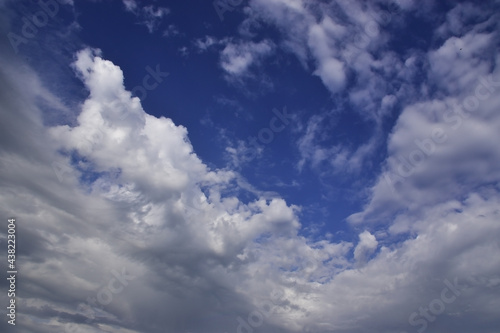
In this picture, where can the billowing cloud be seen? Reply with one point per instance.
(190, 255)
(144, 207)
(366, 246)
(122, 227)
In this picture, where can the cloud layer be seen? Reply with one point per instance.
(123, 228)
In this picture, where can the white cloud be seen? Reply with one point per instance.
(458, 19)
(438, 149)
(171, 31)
(152, 205)
(205, 43)
(243, 153)
(346, 45)
(150, 16)
(366, 246)
(332, 74)
(330, 69)
(334, 159)
(201, 257)
(130, 5)
(237, 58)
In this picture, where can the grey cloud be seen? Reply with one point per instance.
(201, 258)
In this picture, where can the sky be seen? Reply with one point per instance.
(251, 165)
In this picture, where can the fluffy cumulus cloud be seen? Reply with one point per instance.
(130, 212)
(366, 246)
(125, 229)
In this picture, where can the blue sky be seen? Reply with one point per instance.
(335, 160)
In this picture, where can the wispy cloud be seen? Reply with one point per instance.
(237, 58)
(151, 16)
